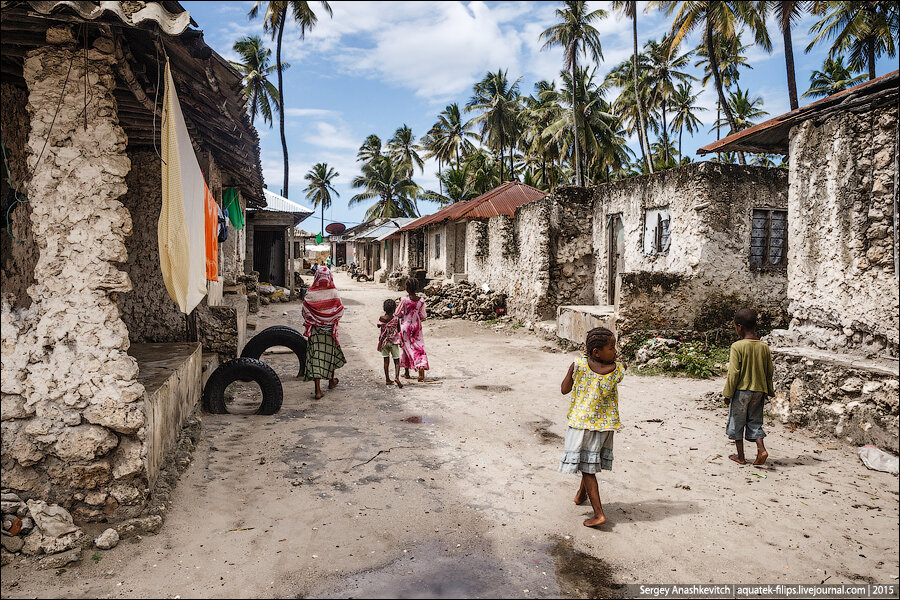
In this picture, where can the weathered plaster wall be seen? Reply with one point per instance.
(233, 250)
(72, 423)
(19, 251)
(147, 310)
(842, 282)
(572, 253)
(705, 275)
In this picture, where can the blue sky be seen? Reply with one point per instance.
(377, 65)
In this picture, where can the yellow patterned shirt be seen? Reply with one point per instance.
(595, 398)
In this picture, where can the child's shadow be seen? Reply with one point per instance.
(804, 460)
(644, 511)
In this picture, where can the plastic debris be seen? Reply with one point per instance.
(878, 460)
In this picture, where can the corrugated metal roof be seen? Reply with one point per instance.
(502, 200)
(172, 23)
(385, 229)
(772, 135)
(277, 203)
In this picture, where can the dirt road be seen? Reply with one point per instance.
(450, 489)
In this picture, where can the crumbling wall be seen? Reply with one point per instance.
(147, 310)
(19, 251)
(72, 423)
(571, 247)
(233, 249)
(842, 281)
(705, 275)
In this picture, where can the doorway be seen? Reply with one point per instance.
(615, 249)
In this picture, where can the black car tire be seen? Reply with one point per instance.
(243, 369)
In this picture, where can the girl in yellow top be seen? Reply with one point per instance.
(593, 416)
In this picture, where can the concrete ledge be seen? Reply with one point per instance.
(573, 322)
(880, 366)
(171, 375)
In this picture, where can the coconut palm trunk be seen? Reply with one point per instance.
(643, 142)
(579, 177)
(717, 78)
(789, 62)
(870, 57)
(284, 189)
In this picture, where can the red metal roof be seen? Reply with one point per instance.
(772, 135)
(502, 200)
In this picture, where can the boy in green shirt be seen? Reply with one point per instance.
(750, 371)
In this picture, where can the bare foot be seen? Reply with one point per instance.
(319, 395)
(421, 378)
(761, 458)
(595, 521)
(407, 375)
(581, 496)
(388, 382)
(737, 459)
(333, 383)
(399, 385)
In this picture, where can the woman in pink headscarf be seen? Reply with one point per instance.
(322, 310)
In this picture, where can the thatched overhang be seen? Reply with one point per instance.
(144, 33)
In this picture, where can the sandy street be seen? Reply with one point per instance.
(450, 489)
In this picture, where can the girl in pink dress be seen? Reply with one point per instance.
(412, 343)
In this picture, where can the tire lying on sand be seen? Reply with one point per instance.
(243, 369)
(279, 335)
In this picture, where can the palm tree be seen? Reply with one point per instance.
(629, 9)
(786, 13)
(452, 135)
(384, 179)
(498, 101)
(663, 72)
(833, 78)
(370, 149)
(867, 29)
(745, 109)
(684, 103)
(730, 53)
(404, 150)
(541, 152)
(576, 35)
(717, 19)
(274, 20)
(262, 95)
(320, 189)
(458, 184)
(484, 171)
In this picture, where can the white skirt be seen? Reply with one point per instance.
(587, 451)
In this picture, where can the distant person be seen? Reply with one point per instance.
(328, 262)
(412, 342)
(389, 341)
(750, 371)
(593, 416)
(322, 311)
(313, 268)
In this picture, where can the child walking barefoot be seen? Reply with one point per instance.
(389, 342)
(750, 372)
(593, 416)
(412, 343)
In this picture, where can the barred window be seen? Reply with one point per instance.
(768, 238)
(437, 246)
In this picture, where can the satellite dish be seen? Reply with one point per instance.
(335, 228)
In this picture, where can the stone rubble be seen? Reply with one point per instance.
(107, 540)
(445, 300)
(34, 527)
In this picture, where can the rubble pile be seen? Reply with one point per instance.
(35, 527)
(444, 300)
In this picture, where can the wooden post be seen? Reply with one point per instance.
(291, 260)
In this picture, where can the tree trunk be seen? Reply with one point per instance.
(789, 63)
(579, 179)
(642, 124)
(501, 160)
(870, 57)
(717, 77)
(680, 155)
(665, 133)
(284, 190)
(323, 219)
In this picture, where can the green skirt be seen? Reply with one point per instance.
(323, 356)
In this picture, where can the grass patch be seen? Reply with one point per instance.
(689, 359)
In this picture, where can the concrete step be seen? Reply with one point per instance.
(574, 321)
(209, 362)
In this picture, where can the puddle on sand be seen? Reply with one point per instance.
(492, 388)
(417, 419)
(434, 571)
(581, 575)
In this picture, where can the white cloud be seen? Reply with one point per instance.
(328, 135)
(310, 112)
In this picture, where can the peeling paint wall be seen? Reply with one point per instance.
(72, 420)
(705, 274)
(147, 310)
(19, 250)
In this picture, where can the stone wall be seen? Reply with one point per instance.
(705, 275)
(147, 310)
(572, 253)
(842, 278)
(19, 251)
(72, 423)
(233, 250)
